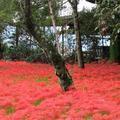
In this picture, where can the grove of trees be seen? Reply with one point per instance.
(33, 38)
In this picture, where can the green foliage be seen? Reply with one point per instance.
(41, 13)
(16, 53)
(88, 22)
(108, 13)
(26, 53)
(7, 10)
(115, 51)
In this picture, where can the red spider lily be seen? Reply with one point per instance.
(31, 92)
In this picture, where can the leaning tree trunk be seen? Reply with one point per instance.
(61, 71)
(77, 32)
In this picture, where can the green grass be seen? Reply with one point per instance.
(43, 79)
(10, 110)
(104, 112)
(88, 117)
(37, 102)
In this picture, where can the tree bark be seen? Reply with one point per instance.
(62, 41)
(61, 71)
(1, 50)
(54, 24)
(77, 32)
(17, 36)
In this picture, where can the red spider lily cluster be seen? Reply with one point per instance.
(32, 92)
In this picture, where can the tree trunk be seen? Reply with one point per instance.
(17, 36)
(1, 50)
(61, 71)
(54, 24)
(77, 32)
(63, 41)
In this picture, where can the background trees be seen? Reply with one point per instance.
(74, 4)
(33, 33)
(27, 14)
(108, 13)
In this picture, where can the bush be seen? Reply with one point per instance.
(25, 53)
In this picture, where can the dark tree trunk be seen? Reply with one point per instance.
(61, 71)
(62, 41)
(77, 32)
(1, 50)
